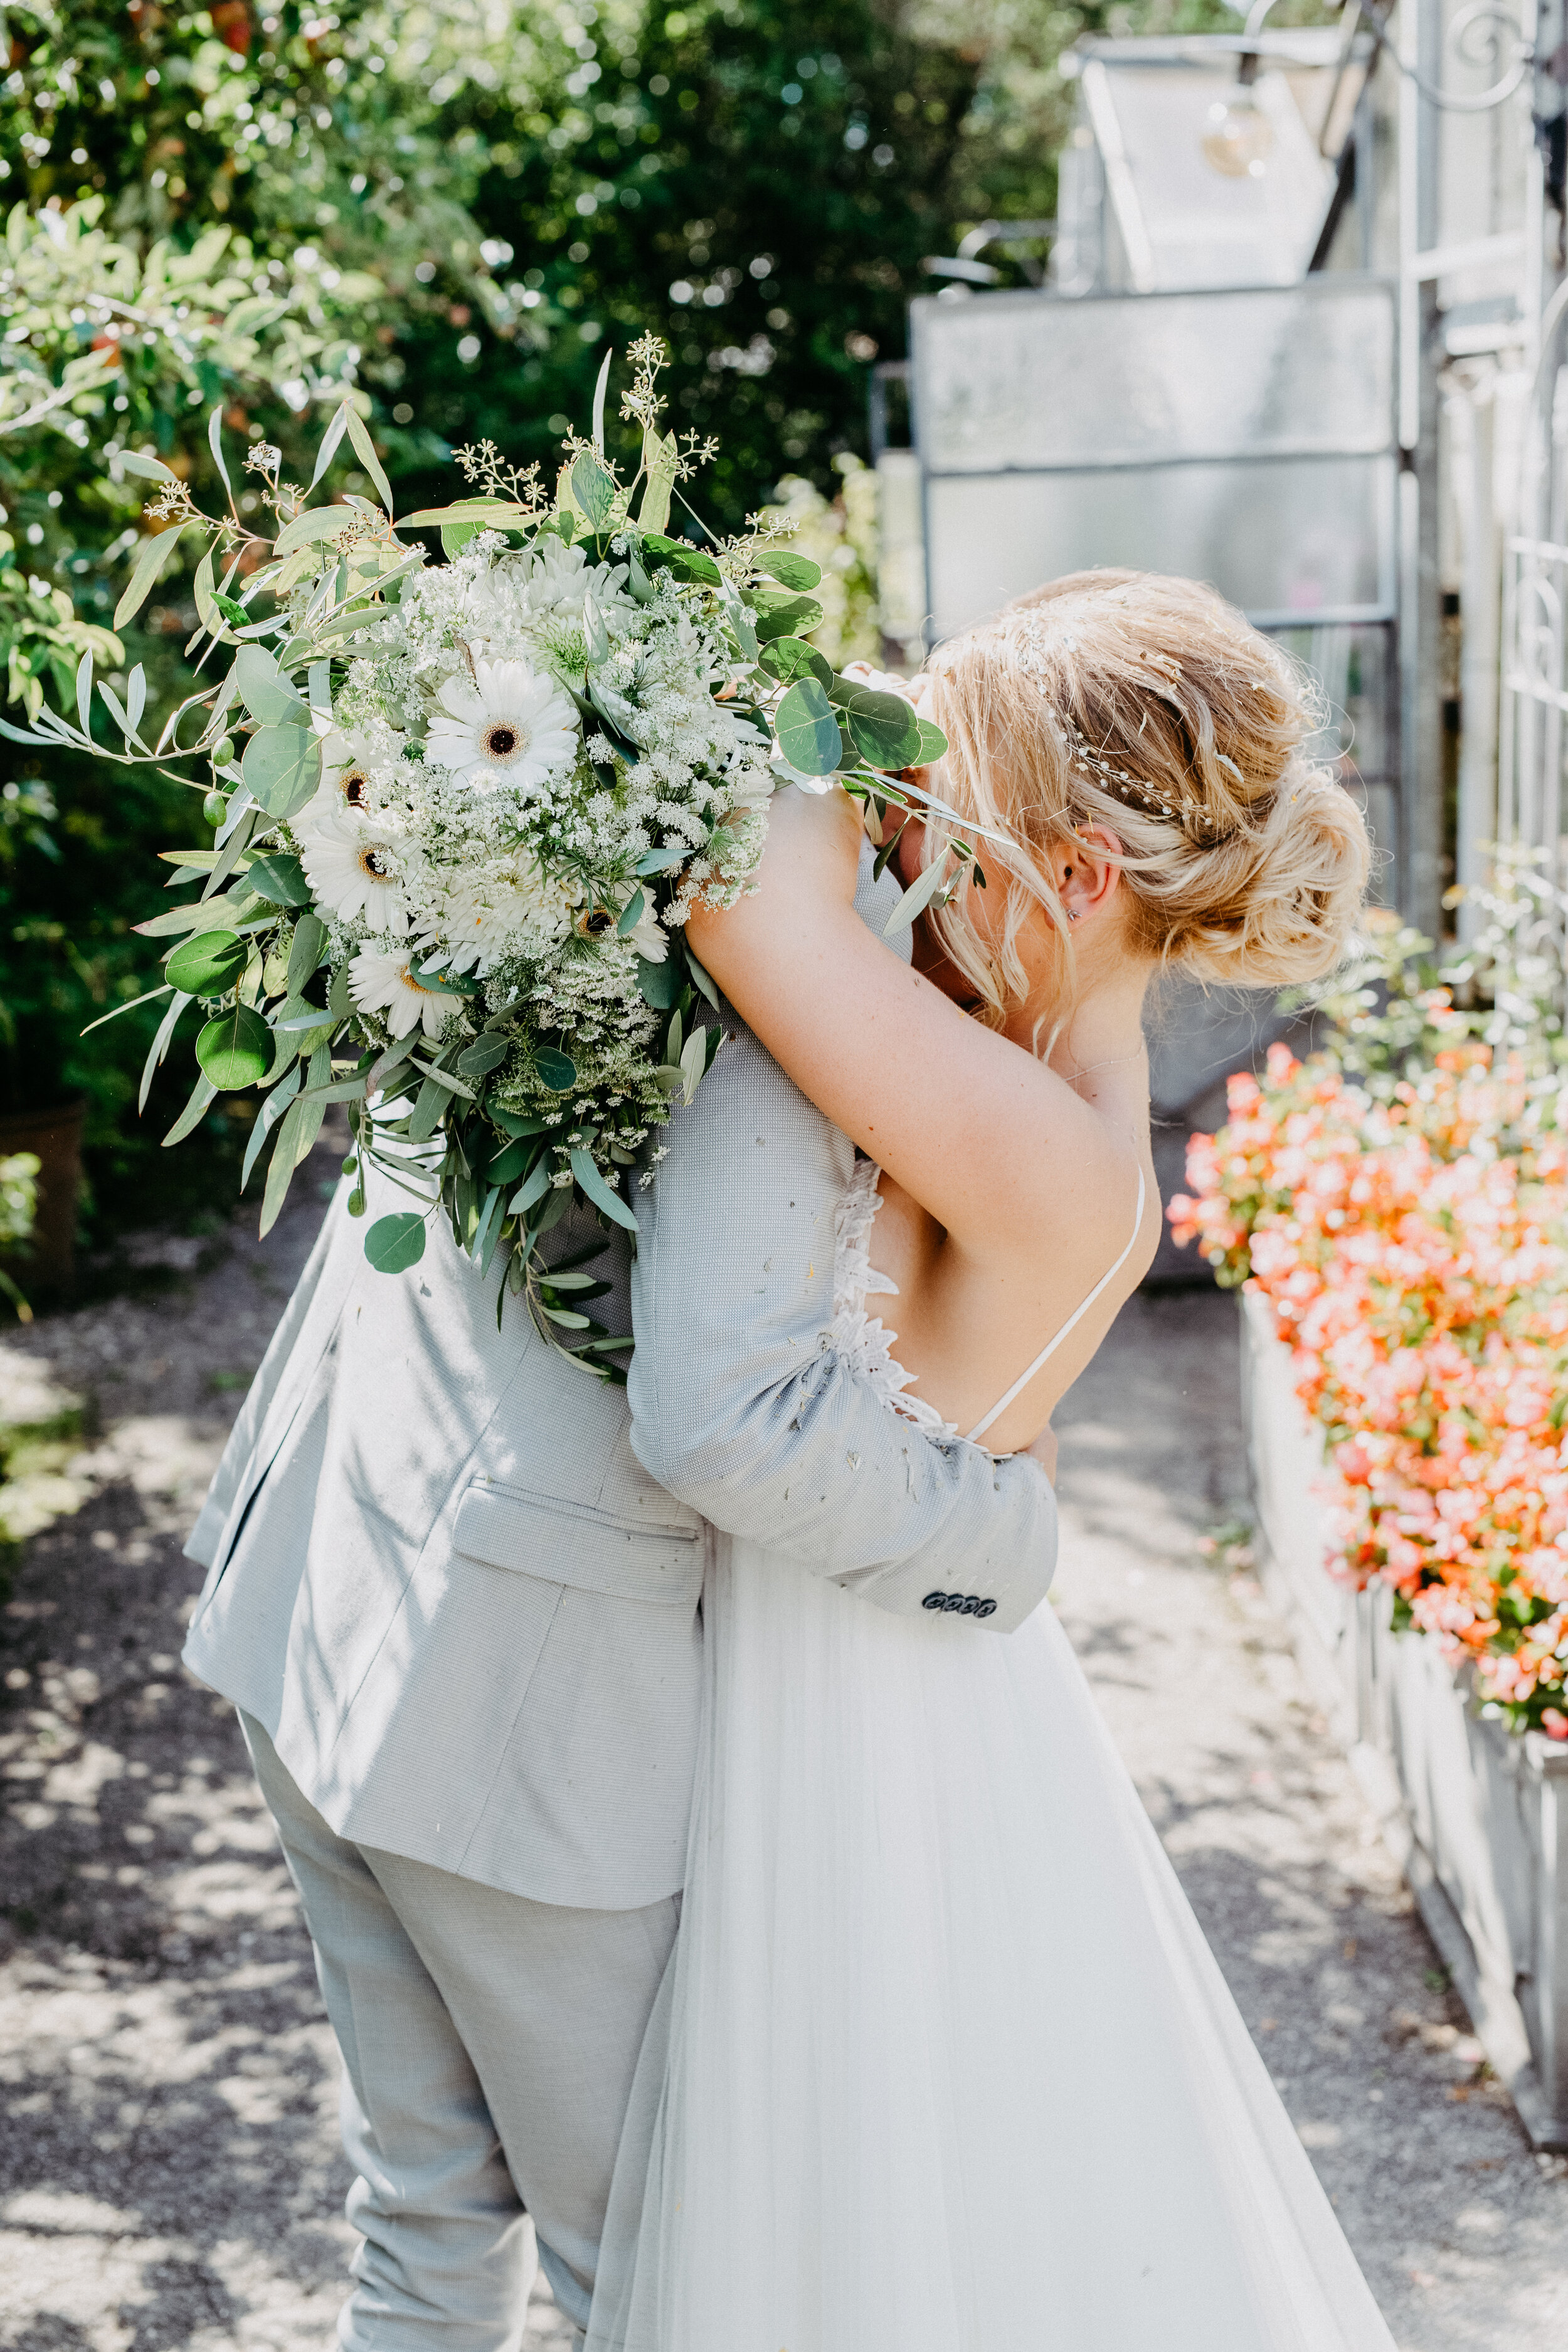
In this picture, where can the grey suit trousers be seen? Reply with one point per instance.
(488, 2045)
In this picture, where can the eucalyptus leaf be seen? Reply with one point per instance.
(662, 466)
(146, 469)
(593, 487)
(281, 1166)
(793, 617)
(263, 689)
(787, 658)
(158, 1049)
(486, 1053)
(659, 982)
(394, 1243)
(916, 897)
(280, 879)
(557, 1071)
(687, 563)
(882, 727)
(306, 950)
(203, 1096)
(532, 1189)
(267, 1119)
(932, 744)
(793, 570)
(429, 1110)
(316, 523)
(208, 963)
(806, 729)
(599, 1192)
(281, 767)
(235, 1050)
(150, 562)
(329, 448)
(214, 443)
(364, 449)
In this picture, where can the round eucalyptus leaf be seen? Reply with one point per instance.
(207, 964)
(558, 1071)
(808, 729)
(486, 1053)
(687, 563)
(778, 614)
(236, 1049)
(394, 1243)
(791, 571)
(787, 658)
(933, 743)
(282, 766)
(280, 880)
(883, 726)
(660, 983)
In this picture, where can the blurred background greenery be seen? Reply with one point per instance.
(450, 212)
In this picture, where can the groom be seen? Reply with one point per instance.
(454, 1591)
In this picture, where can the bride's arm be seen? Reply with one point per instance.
(983, 1136)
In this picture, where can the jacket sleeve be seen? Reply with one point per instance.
(740, 1409)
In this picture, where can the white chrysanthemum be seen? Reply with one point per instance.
(510, 909)
(557, 578)
(508, 726)
(381, 981)
(351, 867)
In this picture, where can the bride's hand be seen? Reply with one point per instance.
(814, 845)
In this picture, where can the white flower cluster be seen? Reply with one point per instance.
(514, 739)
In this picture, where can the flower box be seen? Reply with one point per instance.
(1475, 1815)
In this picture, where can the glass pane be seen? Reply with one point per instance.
(1282, 540)
(1031, 380)
(1228, 183)
(1354, 667)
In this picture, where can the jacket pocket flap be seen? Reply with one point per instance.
(570, 1543)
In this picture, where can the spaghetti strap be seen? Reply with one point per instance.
(1049, 1349)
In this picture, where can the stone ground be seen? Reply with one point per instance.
(169, 2175)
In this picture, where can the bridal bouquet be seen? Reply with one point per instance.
(462, 812)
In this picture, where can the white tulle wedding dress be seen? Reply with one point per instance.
(942, 2062)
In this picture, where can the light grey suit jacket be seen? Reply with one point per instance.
(458, 1581)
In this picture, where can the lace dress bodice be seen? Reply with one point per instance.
(861, 1339)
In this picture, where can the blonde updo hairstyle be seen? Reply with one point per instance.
(1149, 706)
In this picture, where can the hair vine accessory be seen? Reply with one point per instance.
(1190, 814)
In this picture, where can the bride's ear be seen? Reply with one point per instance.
(1087, 872)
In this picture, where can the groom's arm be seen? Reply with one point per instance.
(739, 1410)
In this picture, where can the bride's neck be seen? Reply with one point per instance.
(1094, 1040)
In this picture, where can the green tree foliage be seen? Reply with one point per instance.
(453, 208)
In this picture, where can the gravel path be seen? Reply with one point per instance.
(169, 2173)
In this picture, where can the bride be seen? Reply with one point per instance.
(942, 2062)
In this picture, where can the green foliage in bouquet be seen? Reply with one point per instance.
(462, 812)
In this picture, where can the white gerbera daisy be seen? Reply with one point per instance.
(347, 781)
(648, 936)
(352, 869)
(507, 726)
(381, 981)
